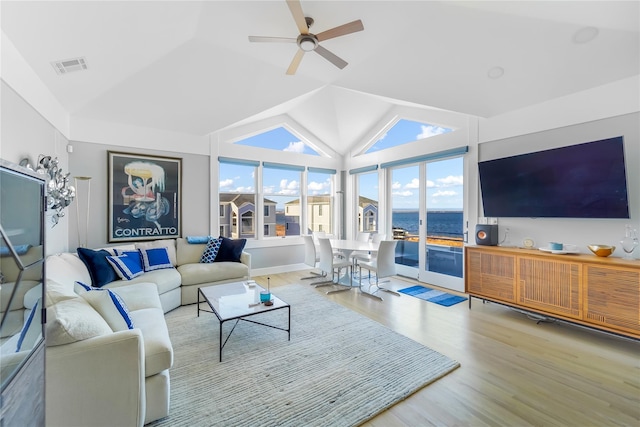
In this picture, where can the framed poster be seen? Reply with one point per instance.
(144, 197)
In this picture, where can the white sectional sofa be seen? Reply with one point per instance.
(113, 375)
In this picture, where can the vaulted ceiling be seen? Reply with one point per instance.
(188, 66)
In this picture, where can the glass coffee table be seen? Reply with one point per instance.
(238, 301)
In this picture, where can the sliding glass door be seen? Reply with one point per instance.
(427, 221)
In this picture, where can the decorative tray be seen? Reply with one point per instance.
(560, 251)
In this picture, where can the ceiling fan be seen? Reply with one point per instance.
(307, 41)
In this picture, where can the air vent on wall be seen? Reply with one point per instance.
(70, 65)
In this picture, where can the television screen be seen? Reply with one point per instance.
(578, 181)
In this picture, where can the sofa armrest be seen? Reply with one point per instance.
(87, 380)
(245, 258)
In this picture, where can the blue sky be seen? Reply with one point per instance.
(444, 178)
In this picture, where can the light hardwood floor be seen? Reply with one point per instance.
(514, 372)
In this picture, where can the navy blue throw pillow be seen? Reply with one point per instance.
(100, 270)
(230, 249)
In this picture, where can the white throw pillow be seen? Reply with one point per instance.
(73, 320)
(110, 306)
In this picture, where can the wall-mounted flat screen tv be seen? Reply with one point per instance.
(578, 181)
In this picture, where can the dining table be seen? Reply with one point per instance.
(347, 247)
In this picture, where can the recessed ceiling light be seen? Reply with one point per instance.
(585, 35)
(495, 72)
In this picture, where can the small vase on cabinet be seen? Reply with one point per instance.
(629, 242)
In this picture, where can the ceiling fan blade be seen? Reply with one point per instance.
(272, 39)
(331, 57)
(341, 30)
(295, 62)
(296, 10)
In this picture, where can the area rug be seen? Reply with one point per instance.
(339, 369)
(433, 295)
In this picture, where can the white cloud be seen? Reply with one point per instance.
(317, 186)
(430, 184)
(450, 181)
(295, 147)
(396, 186)
(289, 188)
(405, 193)
(415, 183)
(431, 130)
(243, 190)
(444, 193)
(226, 183)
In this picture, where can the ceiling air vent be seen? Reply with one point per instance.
(70, 65)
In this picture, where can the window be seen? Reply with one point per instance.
(368, 202)
(405, 131)
(278, 139)
(237, 196)
(281, 195)
(247, 223)
(319, 200)
(281, 189)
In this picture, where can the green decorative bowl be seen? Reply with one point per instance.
(602, 250)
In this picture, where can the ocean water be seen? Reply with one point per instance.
(439, 223)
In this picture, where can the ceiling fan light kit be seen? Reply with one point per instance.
(308, 42)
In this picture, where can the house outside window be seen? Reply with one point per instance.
(367, 202)
(237, 195)
(320, 184)
(281, 184)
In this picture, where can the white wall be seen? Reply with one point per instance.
(24, 133)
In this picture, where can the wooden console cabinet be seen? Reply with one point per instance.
(602, 293)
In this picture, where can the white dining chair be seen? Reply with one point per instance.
(329, 264)
(367, 256)
(311, 257)
(363, 236)
(383, 265)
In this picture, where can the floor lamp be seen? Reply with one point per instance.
(86, 179)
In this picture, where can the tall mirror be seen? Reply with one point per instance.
(22, 198)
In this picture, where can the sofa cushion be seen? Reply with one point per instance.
(158, 352)
(195, 274)
(189, 253)
(155, 259)
(230, 249)
(65, 268)
(138, 296)
(100, 270)
(110, 306)
(166, 280)
(170, 244)
(56, 292)
(211, 251)
(127, 265)
(73, 320)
